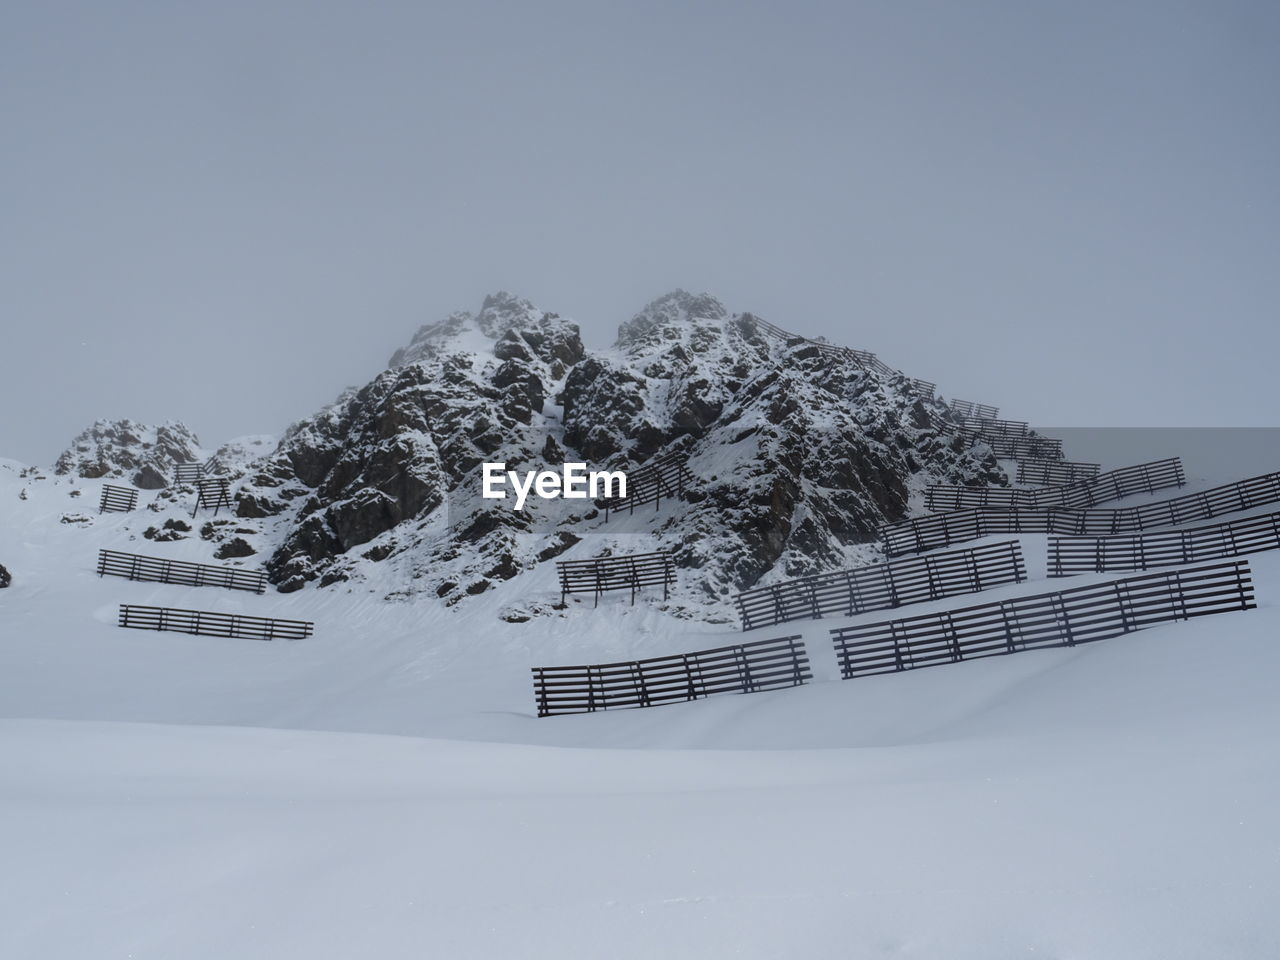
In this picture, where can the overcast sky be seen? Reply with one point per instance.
(224, 213)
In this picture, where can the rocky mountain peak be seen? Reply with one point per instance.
(797, 453)
(503, 311)
(671, 318)
(140, 453)
(507, 327)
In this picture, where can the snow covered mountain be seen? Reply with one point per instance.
(798, 453)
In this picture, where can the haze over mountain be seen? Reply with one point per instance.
(225, 214)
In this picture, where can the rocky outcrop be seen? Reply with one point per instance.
(234, 548)
(802, 452)
(394, 451)
(141, 454)
(6, 578)
(799, 453)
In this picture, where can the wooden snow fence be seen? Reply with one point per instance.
(666, 477)
(943, 529)
(1074, 555)
(134, 566)
(1061, 618)
(1055, 472)
(882, 586)
(211, 624)
(1112, 485)
(630, 572)
(736, 668)
(213, 493)
(117, 499)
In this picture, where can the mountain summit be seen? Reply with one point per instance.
(798, 453)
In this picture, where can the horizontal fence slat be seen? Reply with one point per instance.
(1140, 478)
(882, 586)
(134, 566)
(967, 408)
(117, 499)
(212, 492)
(666, 476)
(736, 668)
(1075, 555)
(627, 572)
(1062, 618)
(1032, 470)
(1015, 447)
(943, 529)
(211, 623)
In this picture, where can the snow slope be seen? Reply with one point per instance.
(383, 789)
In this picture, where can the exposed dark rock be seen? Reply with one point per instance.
(145, 455)
(149, 477)
(563, 541)
(6, 577)
(171, 530)
(799, 453)
(233, 548)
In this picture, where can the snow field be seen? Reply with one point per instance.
(383, 789)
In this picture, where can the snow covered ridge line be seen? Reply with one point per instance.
(573, 482)
(864, 358)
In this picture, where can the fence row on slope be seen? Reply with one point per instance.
(991, 427)
(666, 476)
(1075, 555)
(191, 472)
(1017, 448)
(1112, 485)
(134, 566)
(212, 624)
(944, 529)
(738, 668)
(882, 586)
(214, 493)
(863, 358)
(630, 572)
(1062, 618)
(117, 499)
(967, 408)
(1055, 472)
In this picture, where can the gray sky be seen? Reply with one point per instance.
(224, 213)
